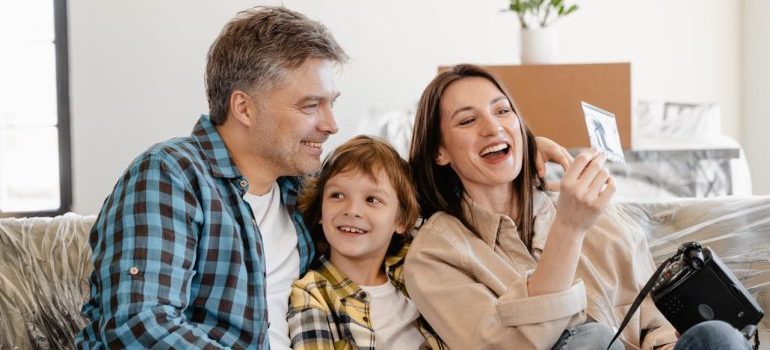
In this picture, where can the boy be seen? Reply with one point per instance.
(360, 209)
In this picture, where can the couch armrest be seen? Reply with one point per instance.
(44, 269)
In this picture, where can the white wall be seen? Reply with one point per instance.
(756, 81)
(137, 67)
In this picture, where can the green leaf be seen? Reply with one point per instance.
(542, 12)
(571, 9)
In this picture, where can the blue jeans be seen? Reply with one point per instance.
(588, 336)
(712, 335)
(708, 335)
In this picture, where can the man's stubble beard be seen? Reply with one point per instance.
(286, 159)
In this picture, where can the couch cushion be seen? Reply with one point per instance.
(44, 270)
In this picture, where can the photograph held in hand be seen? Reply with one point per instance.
(603, 132)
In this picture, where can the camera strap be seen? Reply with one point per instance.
(642, 294)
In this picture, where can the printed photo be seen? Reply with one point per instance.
(603, 132)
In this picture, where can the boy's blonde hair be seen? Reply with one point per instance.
(368, 155)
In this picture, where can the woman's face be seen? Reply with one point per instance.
(481, 135)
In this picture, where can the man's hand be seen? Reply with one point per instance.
(548, 150)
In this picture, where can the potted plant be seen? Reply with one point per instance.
(538, 38)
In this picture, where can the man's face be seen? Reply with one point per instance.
(295, 119)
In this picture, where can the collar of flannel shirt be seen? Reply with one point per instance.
(214, 149)
(222, 165)
(346, 288)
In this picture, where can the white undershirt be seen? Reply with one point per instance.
(279, 241)
(394, 318)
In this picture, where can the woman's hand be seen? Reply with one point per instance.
(586, 188)
(548, 150)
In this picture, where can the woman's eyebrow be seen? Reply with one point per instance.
(461, 109)
(469, 108)
(497, 99)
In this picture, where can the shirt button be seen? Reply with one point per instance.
(366, 319)
(133, 270)
(244, 183)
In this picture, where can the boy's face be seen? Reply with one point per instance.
(359, 215)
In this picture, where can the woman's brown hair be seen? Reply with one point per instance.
(438, 187)
(367, 155)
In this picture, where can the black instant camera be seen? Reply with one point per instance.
(694, 286)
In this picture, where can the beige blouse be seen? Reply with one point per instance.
(473, 288)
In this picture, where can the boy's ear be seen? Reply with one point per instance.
(400, 229)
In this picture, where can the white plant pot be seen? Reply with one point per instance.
(539, 45)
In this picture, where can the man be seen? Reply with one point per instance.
(199, 243)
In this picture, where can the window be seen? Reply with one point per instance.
(35, 164)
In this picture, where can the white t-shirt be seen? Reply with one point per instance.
(279, 240)
(394, 318)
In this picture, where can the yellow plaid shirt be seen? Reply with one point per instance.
(329, 311)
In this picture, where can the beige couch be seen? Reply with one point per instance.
(44, 265)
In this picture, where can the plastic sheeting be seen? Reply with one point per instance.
(679, 148)
(44, 270)
(737, 229)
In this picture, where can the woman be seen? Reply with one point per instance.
(501, 263)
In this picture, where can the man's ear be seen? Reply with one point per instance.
(442, 158)
(242, 107)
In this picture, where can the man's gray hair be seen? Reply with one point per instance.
(254, 50)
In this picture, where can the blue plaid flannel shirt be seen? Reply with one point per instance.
(178, 258)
